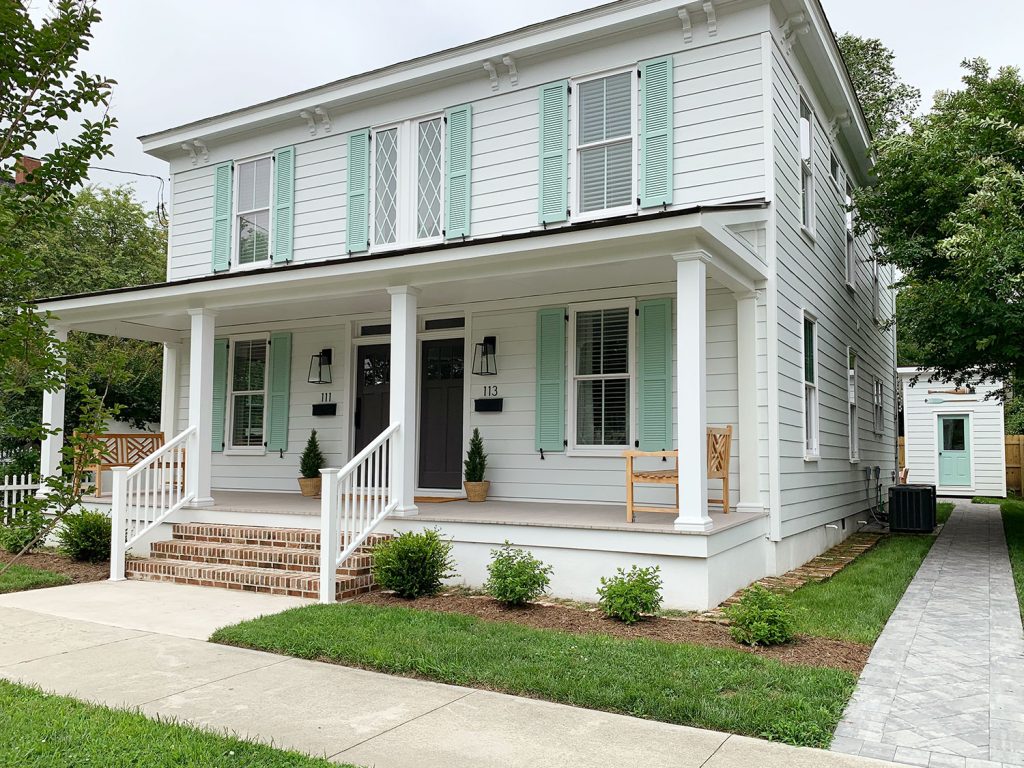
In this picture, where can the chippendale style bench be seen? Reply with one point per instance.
(719, 451)
(121, 450)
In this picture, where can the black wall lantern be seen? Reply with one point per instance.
(320, 367)
(485, 358)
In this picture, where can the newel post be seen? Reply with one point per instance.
(118, 522)
(329, 543)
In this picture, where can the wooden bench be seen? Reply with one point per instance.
(719, 451)
(121, 450)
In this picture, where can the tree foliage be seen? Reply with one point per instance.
(887, 101)
(948, 211)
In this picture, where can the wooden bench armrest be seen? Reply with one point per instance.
(634, 454)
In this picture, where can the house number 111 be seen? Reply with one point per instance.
(490, 390)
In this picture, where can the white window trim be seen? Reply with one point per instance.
(807, 227)
(407, 198)
(229, 411)
(599, 450)
(853, 408)
(236, 240)
(575, 205)
(878, 407)
(876, 291)
(850, 254)
(814, 453)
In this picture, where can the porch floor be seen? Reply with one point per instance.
(610, 517)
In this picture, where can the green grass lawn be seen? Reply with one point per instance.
(1013, 525)
(690, 685)
(855, 603)
(21, 577)
(39, 730)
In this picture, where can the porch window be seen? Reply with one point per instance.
(601, 376)
(810, 347)
(252, 211)
(851, 255)
(248, 392)
(879, 402)
(806, 165)
(604, 143)
(851, 398)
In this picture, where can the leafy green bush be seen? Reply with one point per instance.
(85, 536)
(475, 464)
(626, 596)
(515, 577)
(413, 564)
(312, 459)
(21, 531)
(761, 618)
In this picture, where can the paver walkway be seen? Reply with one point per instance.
(141, 644)
(944, 685)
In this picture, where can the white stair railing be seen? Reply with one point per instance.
(354, 501)
(13, 491)
(147, 493)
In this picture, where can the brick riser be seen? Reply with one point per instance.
(269, 558)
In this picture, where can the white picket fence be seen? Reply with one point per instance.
(12, 491)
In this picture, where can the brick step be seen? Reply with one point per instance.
(267, 581)
(282, 558)
(256, 535)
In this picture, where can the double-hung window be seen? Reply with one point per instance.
(248, 393)
(605, 146)
(810, 368)
(408, 181)
(879, 403)
(851, 253)
(601, 376)
(252, 211)
(851, 399)
(806, 165)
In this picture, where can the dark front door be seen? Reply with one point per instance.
(373, 390)
(441, 414)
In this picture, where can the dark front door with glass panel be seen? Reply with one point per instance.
(441, 414)
(373, 393)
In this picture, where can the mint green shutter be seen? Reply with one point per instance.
(553, 194)
(550, 428)
(284, 198)
(358, 225)
(278, 389)
(220, 393)
(220, 251)
(654, 375)
(458, 171)
(656, 140)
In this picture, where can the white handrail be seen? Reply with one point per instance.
(146, 494)
(354, 501)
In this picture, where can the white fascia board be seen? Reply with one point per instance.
(450, 63)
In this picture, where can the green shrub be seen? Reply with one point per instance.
(761, 618)
(627, 596)
(21, 531)
(515, 577)
(413, 564)
(85, 536)
(312, 459)
(475, 464)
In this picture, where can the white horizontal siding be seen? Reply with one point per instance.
(191, 224)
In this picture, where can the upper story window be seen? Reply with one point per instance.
(879, 403)
(252, 211)
(851, 399)
(810, 347)
(806, 165)
(876, 290)
(601, 375)
(851, 251)
(248, 390)
(605, 147)
(407, 186)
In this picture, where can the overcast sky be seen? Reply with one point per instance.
(181, 61)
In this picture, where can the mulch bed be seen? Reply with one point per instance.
(49, 561)
(804, 651)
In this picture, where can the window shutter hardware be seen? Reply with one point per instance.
(542, 454)
(565, 443)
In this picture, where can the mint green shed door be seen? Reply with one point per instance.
(955, 450)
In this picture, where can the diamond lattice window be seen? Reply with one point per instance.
(430, 151)
(385, 217)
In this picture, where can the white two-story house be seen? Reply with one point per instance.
(607, 231)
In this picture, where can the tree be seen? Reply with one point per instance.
(887, 101)
(948, 211)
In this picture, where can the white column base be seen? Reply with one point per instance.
(690, 525)
(204, 502)
(406, 511)
(755, 507)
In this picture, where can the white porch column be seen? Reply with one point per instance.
(691, 390)
(169, 391)
(746, 376)
(53, 417)
(403, 394)
(200, 404)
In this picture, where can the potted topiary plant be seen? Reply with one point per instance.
(310, 464)
(476, 464)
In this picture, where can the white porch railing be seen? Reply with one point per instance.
(145, 494)
(12, 491)
(354, 500)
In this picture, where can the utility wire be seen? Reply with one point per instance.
(161, 209)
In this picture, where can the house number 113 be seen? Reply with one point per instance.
(491, 390)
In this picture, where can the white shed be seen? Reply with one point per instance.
(953, 435)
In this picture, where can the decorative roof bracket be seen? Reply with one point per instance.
(493, 74)
(795, 25)
(203, 151)
(837, 123)
(305, 115)
(684, 19)
(191, 152)
(513, 72)
(709, 9)
(325, 118)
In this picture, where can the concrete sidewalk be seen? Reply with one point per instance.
(141, 644)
